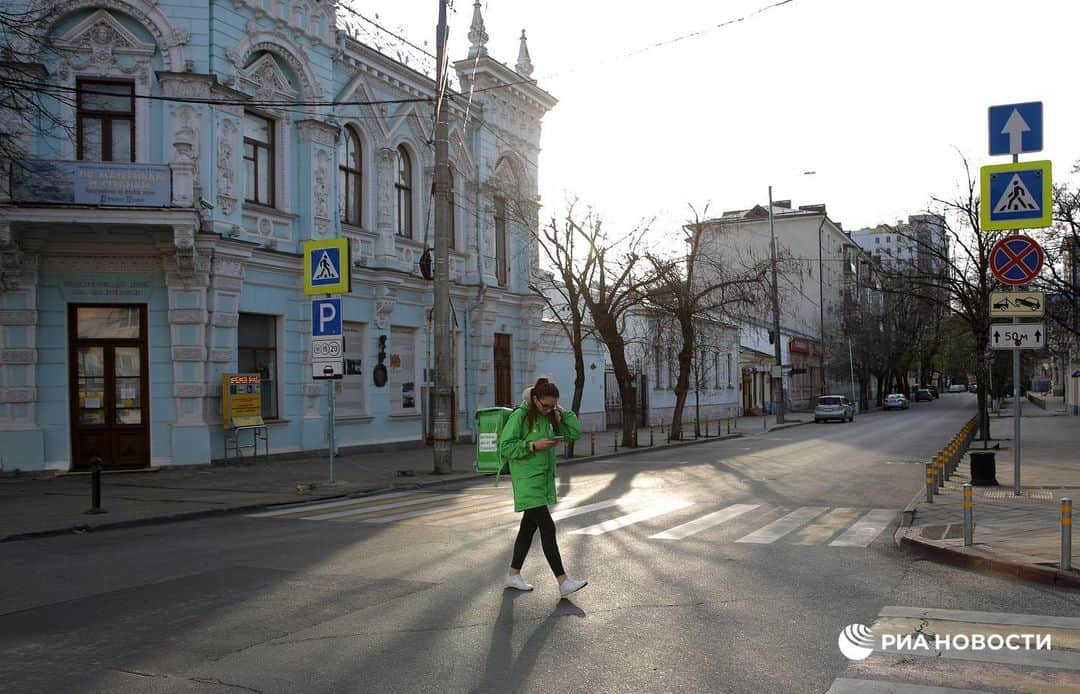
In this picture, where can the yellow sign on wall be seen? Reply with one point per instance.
(241, 400)
(326, 266)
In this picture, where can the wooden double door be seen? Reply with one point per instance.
(109, 385)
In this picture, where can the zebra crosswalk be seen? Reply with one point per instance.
(666, 519)
(918, 650)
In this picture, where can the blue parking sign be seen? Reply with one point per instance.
(325, 317)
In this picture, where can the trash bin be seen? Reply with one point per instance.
(983, 469)
(489, 424)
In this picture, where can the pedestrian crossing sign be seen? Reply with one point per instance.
(326, 267)
(1016, 196)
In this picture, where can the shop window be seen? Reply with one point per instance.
(258, 159)
(403, 188)
(500, 242)
(105, 120)
(256, 352)
(352, 398)
(404, 395)
(349, 177)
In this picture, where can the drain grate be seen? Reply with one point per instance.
(1037, 494)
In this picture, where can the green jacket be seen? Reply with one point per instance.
(532, 474)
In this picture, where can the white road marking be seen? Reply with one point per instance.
(863, 532)
(705, 522)
(975, 617)
(844, 685)
(575, 511)
(782, 526)
(328, 504)
(634, 517)
(457, 504)
(380, 507)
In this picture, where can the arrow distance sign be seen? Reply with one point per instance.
(1017, 336)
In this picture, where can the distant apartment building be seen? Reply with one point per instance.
(815, 260)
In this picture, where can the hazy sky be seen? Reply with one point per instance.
(879, 97)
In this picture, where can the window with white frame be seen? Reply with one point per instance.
(350, 177)
(404, 394)
(501, 242)
(352, 401)
(403, 187)
(256, 352)
(258, 159)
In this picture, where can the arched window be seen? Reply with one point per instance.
(403, 187)
(349, 174)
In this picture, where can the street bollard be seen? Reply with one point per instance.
(650, 437)
(616, 441)
(95, 486)
(969, 521)
(1066, 533)
(929, 483)
(941, 473)
(592, 443)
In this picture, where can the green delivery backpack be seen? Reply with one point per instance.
(489, 425)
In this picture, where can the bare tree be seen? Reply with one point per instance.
(26, 94)
(609, 286)
(561, 244)
(956, 276)
(694, 287)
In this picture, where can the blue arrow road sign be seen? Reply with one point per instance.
(1016, 128)
(325, 317)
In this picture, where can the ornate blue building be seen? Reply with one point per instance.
(152, 221)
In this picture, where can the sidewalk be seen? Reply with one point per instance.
(1018, 536)
(42, 504)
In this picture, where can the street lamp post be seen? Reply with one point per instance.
(778, 370)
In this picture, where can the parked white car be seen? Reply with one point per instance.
(957, 388)
(895, 401)
(834, 407)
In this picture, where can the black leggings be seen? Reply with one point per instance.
(532, 519)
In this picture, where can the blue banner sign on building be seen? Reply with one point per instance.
(91, 183)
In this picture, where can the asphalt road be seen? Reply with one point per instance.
(730, 566)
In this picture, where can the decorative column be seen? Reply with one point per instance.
(385, 246)
(317, 175)
(186, 278)
(23, 442)
(223, 309)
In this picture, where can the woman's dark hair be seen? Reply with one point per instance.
(543, 388)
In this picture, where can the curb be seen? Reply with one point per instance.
(208, 513)
(987, 563)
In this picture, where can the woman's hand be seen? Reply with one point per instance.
(544, 444)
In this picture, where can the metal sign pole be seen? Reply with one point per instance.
(1016, 390)
(333, 387)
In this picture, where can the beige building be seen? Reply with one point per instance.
(813, 266)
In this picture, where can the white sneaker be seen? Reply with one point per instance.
(517, 582)
(571, 585)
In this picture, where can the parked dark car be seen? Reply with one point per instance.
(933, 391)
(923, 395)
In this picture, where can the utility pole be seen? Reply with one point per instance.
(778, 375)
(441, 405)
